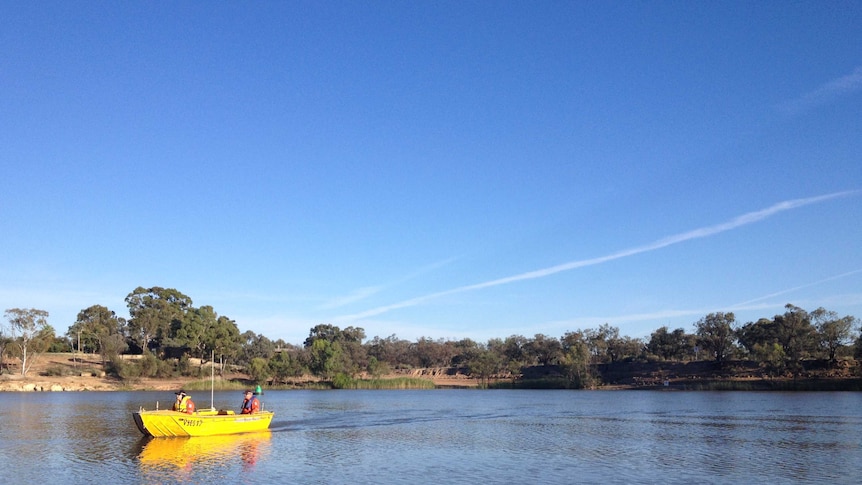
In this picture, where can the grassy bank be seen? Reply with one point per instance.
(345, 382)
(776, 385)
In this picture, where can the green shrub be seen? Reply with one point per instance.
(122, 369)
(57, 371)
(342, 381)
(184, 366)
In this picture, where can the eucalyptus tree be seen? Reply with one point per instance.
(716, 335)
(223, 339)
(832, 332)
(207, 336)
(191, 331)
(255, 346)
(513, 348)
(153, 312)
(543, 350)
(259, 370)
(484, 364)
(668, 345)
(325, 358)
(30, 333)
(355, 355)
(325, 355)
(391, 350)
(423, 353)
(100, 330)
(513, 354)
(632, 348)
(606, 345)
(333, 350)
(498, 347)
(324, 331)
(576, 360)
(427, 352)
(289, 361)
(796, 335)
(754, 336)
(465, 351)
(788, 338)
(597, 343)
(82, 336)
(610, 338)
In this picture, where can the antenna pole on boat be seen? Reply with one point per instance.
(212, 379)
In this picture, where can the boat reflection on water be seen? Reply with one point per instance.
(164, 453)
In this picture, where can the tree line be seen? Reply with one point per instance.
(168, 331)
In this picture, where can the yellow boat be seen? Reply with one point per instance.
(208, 422)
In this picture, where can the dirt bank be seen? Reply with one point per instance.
(74, 372)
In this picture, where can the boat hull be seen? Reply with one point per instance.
(165, 423)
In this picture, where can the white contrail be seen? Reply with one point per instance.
(702, 232)
(790, 290)
(354, 296)
(369, 291)
(837, 87)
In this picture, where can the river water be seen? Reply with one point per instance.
(445, 436)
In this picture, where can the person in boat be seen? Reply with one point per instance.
(251, 404)
(184, 403)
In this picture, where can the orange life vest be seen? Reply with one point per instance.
(186, 405)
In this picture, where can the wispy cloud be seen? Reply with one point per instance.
(743, 220)
(427, 269)
(355, 296)
(366, 292)
(841, 86)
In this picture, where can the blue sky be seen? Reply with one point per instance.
(438, 169)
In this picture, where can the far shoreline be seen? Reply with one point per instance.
(69, 372)
(10, 383)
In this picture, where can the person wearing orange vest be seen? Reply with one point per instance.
(251, 404)
(184, 403)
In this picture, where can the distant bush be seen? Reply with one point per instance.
(344, 381)
(57, 371)
(59, 345)
(540, 383)
(184, 366)
(147, 366)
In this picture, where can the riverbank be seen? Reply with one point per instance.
(75, 372)
(59, 372)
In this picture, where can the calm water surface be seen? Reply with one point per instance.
(446, 436)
